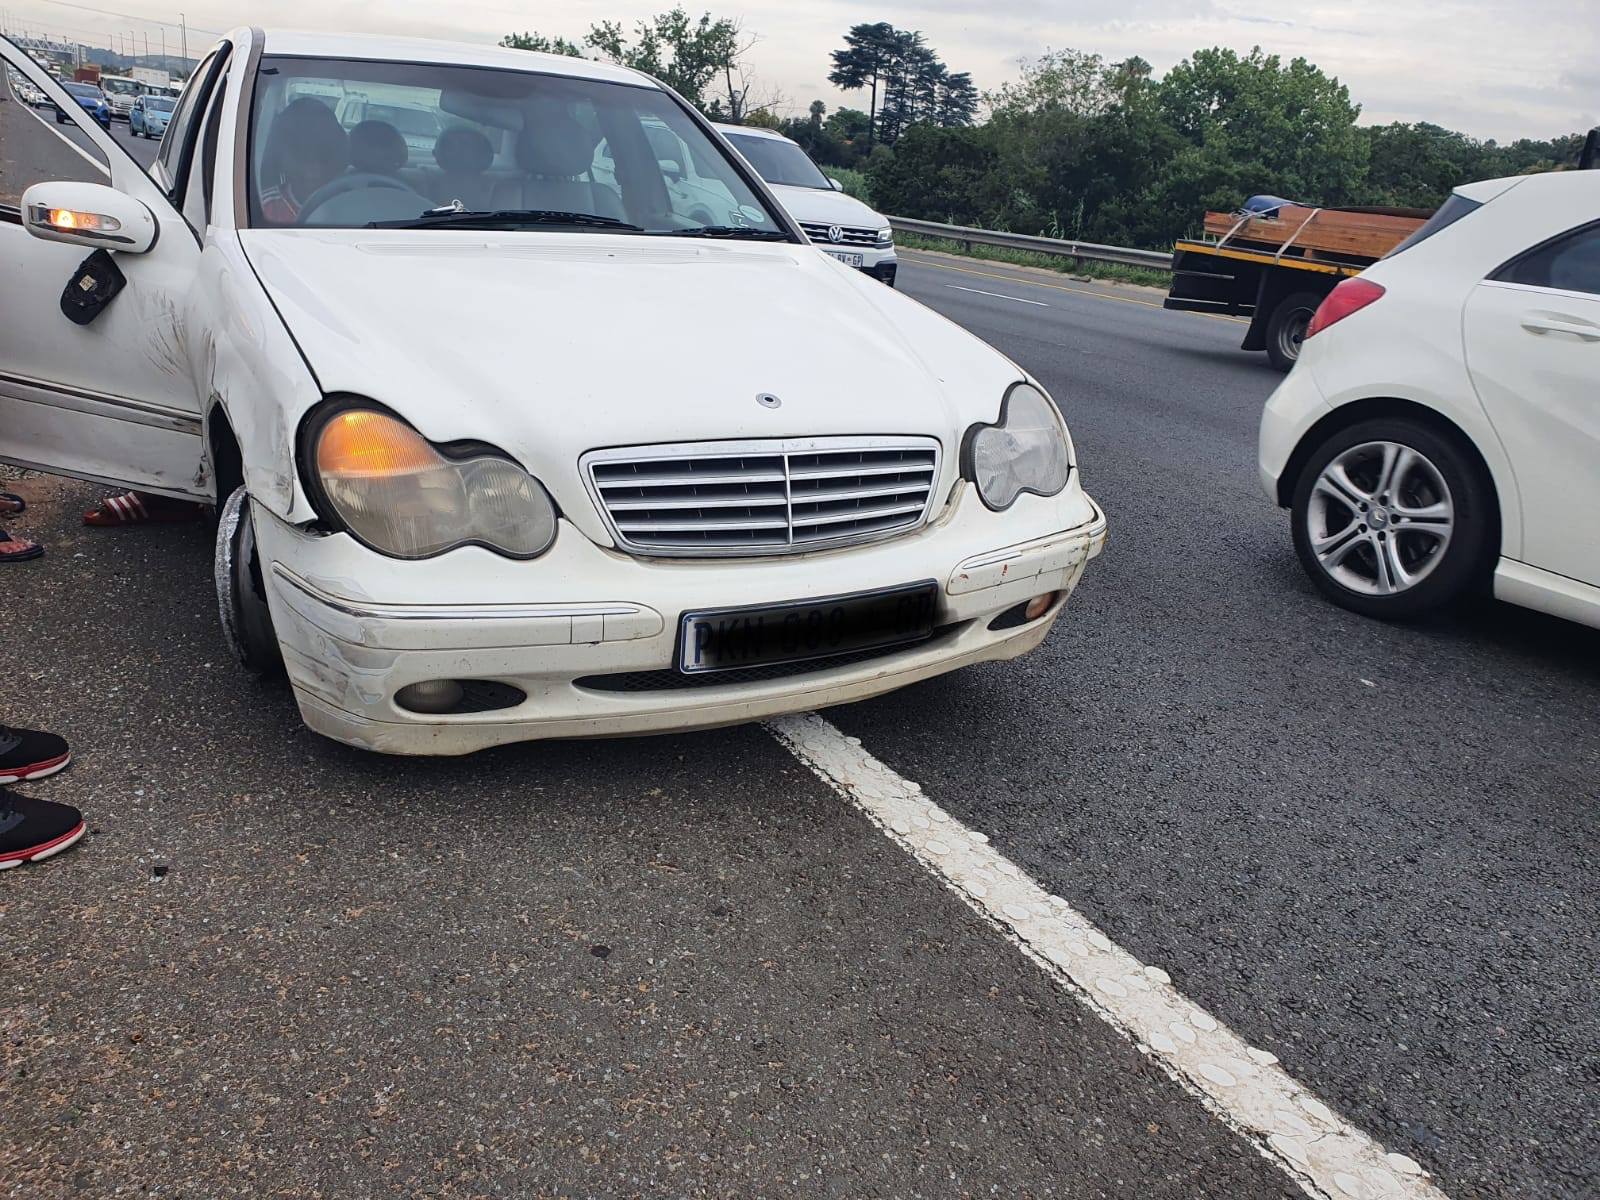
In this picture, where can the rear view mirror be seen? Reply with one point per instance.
(88, 214)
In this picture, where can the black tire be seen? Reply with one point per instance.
(1467, 554)
(241, 592)
(1287, 328)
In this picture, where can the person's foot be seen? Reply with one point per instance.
(15, 549)
(30, 754)
(34, 830)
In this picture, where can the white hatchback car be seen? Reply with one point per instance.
(840, 225)
(1441, 430)
(484, 476)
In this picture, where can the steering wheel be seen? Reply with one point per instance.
(346, 183)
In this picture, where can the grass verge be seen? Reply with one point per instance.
(1077, 268)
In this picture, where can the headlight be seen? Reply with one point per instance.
(1025, 451)
(394, 491)
(885, 236)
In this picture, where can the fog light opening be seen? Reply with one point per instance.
(1026, 612)
(430, 696)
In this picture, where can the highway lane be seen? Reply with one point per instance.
(1369, 848)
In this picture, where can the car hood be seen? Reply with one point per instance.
(548, 345)
(827, 207)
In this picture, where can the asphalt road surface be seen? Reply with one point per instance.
(683, 966)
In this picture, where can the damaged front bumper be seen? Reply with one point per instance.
(586, 636)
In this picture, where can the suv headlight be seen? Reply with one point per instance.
(1026, 450)
(382, 482)
(885, 236)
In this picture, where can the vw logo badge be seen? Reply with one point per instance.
(835, 234)
(768, 400)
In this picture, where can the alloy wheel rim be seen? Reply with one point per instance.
(1380, 518)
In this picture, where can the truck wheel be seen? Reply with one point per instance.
(241, 595)
(1392, 518)
(1287, 329)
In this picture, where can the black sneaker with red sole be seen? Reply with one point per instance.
(34, 830)
(30, 754)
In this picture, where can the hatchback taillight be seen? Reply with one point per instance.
(1350, 296)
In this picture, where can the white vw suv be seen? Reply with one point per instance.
(840, 225)
(484, 475)
(1441, 430)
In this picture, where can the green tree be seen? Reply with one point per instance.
(545, 45)
(870, 50)
(686, 53)
(1253, 124)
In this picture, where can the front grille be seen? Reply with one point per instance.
(849, 235)
(722, 498)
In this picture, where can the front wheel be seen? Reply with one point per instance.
(241, 594)
(1392, 519)
(1286, 330)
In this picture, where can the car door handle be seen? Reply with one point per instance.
(1543, 323)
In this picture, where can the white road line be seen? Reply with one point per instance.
(1327, 1156)
(996, 295)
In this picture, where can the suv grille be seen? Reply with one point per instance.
(722, 498)
(851, 235)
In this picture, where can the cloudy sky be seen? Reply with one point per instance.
(1494, 68)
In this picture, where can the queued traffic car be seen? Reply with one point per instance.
(88, 97)
(148, 116)
(483, 475)
(1439, 433)
(840, 225)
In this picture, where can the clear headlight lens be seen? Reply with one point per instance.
(885, 236)
(398, 494)
(1025, 451)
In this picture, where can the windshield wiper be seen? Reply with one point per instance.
(450, 217)
(726, 231)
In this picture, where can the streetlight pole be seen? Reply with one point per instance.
(183, 26)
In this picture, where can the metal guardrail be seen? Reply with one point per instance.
(1155, 260)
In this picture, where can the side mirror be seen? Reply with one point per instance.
(835, 184)
(88, 214)
(670, 168)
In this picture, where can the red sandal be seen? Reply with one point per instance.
(141, 508)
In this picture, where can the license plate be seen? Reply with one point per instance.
(848, 259)
(767, 635)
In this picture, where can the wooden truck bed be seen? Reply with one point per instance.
(1314, 234)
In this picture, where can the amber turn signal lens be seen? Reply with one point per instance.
(67, 218)
(1038, 606)
(366, 444)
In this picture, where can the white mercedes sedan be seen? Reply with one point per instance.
(506, 444)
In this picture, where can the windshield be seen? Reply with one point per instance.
(123, 87)
(158, 103)
(84, 91)
(778, 161)
(346, 144)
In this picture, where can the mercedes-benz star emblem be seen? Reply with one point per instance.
(768, 400)
(835, 234)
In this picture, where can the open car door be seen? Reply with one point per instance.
(113, 398)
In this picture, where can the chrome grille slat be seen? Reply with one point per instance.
(766, 497)
(850, 235)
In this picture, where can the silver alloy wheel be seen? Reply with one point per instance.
(1380, 518)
